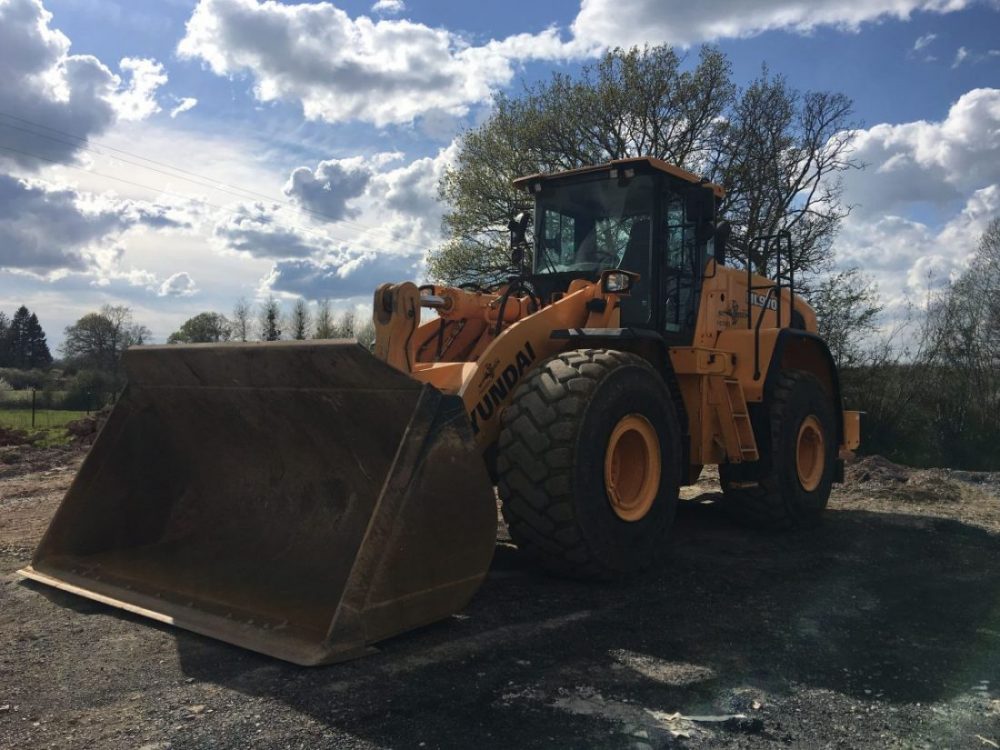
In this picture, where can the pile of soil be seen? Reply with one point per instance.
(10, 436)
(85, 429)
(880, 478)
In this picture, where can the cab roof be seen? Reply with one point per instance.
(641, 163)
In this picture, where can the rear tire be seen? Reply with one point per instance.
(587, 428)
(790, 486)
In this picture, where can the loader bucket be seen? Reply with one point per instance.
(300, 499)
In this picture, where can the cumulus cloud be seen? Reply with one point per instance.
(939, 163)
(350, 275)
(43, 84)
(629, 22)
(910, 258)
(183, 105)
(136, 100)
(179, 285)
(928, 193)
(46, 230)
(261, 231)
(389, 7)
(328, 189)
(341, 68)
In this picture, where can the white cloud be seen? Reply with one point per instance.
(44, 86)
(263, 230)
(339, 68)
(179, 285)
(49, 231)
(340, 277)
(928, 193)
(923, 41)
(183, 105)
(42, 83)
(936, 163)
(389, 7)
(136, 100)
(629, 22)
(960, 57)
(328, 189)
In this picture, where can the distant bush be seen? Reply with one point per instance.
(22, 379)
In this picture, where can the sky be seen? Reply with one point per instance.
(176, 155)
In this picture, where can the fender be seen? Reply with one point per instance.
(802, 350)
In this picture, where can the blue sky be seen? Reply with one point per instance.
(361, 104)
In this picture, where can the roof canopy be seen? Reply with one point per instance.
(643, 163)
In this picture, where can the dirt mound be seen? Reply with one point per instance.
(881, 478)
(10, 436)
(85, 429)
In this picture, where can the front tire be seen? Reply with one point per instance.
(589, 464)
(790, 485)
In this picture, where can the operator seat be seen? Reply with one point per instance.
(636, 308)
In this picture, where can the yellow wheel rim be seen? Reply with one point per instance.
(632, 467)
(810, 453)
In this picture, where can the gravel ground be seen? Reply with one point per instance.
(880, 629)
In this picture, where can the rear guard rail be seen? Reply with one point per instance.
(299, 499)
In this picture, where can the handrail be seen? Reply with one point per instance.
(773, 291)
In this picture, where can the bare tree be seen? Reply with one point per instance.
(777, 151)
(963, 360)
(365, 333)
(345, 327)
(242, 321)
(780, 154)
(325, 328)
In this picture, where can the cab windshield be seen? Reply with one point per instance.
(593, 225)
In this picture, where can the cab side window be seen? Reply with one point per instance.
(678, 264)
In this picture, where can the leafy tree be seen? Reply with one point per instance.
(38, 354)
(847, 309)
(4, 340)
(300, 320)
(777, 151)
(242, 321)
(325, 327)
(97, 340)
(270, 320)
(202, 328)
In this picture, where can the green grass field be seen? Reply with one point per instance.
(44, 418)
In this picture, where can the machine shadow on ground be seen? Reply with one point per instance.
(876, 606)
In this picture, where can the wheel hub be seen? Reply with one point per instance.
(810, 453)
(632, 467)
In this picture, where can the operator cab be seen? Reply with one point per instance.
(639, 215)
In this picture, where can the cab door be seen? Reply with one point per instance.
(680, 271)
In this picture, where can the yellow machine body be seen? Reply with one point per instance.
(308, 499)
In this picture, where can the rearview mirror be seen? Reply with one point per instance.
(720, 240)
(616, 281)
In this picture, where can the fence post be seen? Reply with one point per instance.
(33, 392)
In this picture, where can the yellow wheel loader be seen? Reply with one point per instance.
(307, 499)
